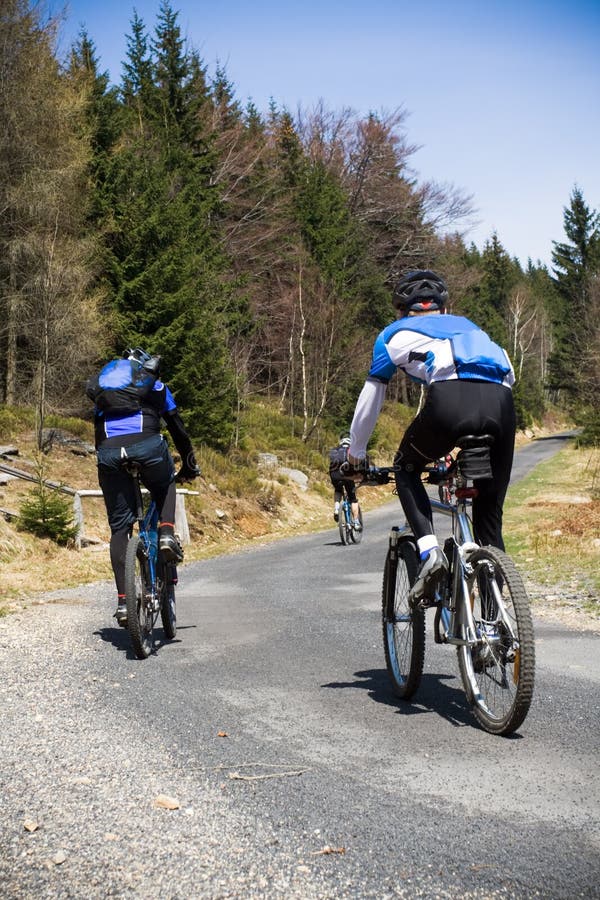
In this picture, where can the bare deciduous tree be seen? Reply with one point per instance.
(49, 318)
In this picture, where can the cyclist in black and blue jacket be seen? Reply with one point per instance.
(469, 382)
(337, 456)
(130, 404)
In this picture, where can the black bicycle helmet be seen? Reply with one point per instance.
(147, 362)
(420, 291)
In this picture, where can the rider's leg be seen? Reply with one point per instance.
(424, 440)
(489, 503)
(158, 475)
(337, 499)
(119, 499)
(353, 500)
(167, 540)
(118, 549)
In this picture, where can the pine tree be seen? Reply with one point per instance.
(46, 512)
(576, 266)
(103, 116)
(574, 262)
(167, 274)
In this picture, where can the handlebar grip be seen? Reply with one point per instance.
(378, 476)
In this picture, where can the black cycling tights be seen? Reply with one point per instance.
(119, 538)
(452, 410)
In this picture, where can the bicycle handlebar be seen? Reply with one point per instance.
(376, 475)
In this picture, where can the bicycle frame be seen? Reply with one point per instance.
(457, 620)
(458, 623)
(346, 509)
(148, 533)
(484, 611)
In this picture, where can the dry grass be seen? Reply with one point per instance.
(552, 522)
(220, 518)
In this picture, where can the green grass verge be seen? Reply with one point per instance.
(552, 521)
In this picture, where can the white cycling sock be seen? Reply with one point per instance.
(426, 544)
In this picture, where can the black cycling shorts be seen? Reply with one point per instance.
(340, 483)
(454, 409)
(157, 473)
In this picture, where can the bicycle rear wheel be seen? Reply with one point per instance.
(138, 587)
(403, 626)
(344, 522)
(498, 674)
(167, 601)
(342, 525)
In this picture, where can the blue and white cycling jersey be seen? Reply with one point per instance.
(439, 348)
(143, 422)
(429, 349)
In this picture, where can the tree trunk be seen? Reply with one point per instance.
(11, 339)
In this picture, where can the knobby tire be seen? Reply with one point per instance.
(498, 675)
(403, 627)
(168, 613)
(342, 524)
(138, 585)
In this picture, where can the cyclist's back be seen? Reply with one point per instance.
(468, 379)
(341, 483)
(130, 403)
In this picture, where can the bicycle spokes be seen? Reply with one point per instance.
(497, 660)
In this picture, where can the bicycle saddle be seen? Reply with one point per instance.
(130, 465)
(473, 461)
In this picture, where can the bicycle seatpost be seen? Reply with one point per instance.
(133, 468)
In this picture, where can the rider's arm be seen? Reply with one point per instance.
(367, 410)
(178, 433)
(182, 441)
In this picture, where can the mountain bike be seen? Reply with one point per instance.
(149, 579)
(348, 533)
(484, 611)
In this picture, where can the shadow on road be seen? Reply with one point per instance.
(119, 638)
(433, 696)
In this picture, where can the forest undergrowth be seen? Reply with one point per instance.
(552, 517)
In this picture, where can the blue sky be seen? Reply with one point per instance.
(503, 97)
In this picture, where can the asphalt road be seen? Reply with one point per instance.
(296, 772)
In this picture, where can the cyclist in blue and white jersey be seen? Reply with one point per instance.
(130, 403)
(469, 382)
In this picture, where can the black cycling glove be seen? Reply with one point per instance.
(189, 467)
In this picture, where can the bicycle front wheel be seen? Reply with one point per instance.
(403, 626)
(498, 673)
(167, 601)
(138, 588)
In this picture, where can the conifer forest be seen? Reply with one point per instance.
(254, 250)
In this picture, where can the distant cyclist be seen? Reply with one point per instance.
(336, 457)
(130, 402)
(468, 380)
